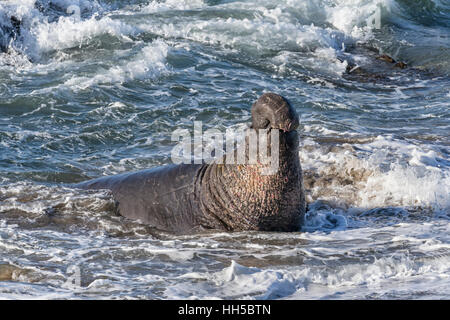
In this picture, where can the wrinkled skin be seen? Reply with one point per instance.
(187, 198)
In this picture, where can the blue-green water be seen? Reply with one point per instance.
(100, 92)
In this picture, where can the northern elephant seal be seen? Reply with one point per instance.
(186, 198)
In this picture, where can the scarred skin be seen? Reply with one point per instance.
(188, 198)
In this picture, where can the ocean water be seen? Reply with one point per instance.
(94, 88)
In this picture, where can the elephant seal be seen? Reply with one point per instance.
(187, 198)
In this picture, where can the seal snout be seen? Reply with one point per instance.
(275, 112)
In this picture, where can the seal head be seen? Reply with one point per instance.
(275, 112)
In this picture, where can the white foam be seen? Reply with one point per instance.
(307, 282)
(149, 63)
(271, 29)
(287, 27)
(39, 36)
(68, 32)
(33, 200)
(357, 17)
(326, 57)
(408, 186)
(324, 219)
(391, 173)
(160, 6)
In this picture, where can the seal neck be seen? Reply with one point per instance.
(238, 197)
